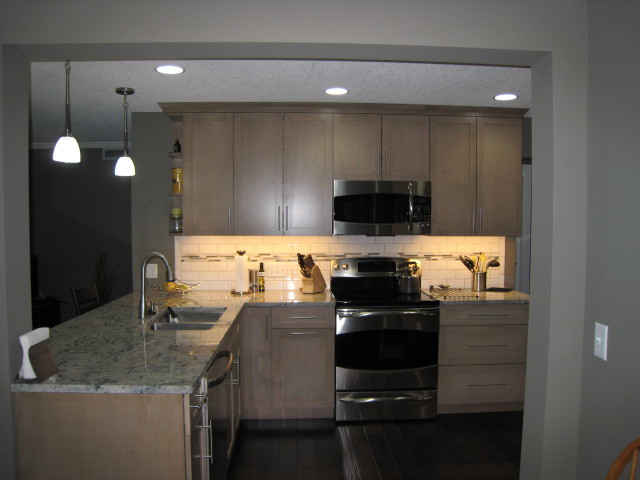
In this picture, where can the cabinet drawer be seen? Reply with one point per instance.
(484, 314)
(303, 317)
(484, 344)
(481, 384)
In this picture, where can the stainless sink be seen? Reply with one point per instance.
(187, 318)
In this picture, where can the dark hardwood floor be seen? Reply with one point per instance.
(452, 447)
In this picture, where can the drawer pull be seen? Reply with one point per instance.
(487, 384)
(488, 346)
(488, 315)
(303, 333)
(314, 317)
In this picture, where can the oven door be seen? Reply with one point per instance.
(386, 349)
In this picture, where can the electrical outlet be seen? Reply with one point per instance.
(600, 341)
(151, 271)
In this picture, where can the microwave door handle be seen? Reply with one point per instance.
(410, 223)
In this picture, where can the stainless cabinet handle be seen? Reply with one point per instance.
(208, 455)
(279, 218)
(384, 163)
(473, 220)
(379, 163)
(487, 346)
(487, 384)
(227, 368)
(303, 333)
(229, 218)
(480, 221)
(236, 362)
(314, 317)
(286, 218)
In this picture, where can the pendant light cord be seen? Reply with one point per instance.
(126, 139)
(67, 104)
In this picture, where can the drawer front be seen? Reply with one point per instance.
(481, 384)
(492, 344)
(304, 317)
(484, 314)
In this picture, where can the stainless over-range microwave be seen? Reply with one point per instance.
(381, 207)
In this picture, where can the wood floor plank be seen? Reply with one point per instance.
(451, 447)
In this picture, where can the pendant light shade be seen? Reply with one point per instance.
(124, 165)
(67, 149)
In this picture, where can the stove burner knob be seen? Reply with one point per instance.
(345, 266)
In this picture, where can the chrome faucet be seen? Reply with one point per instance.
(142, 308)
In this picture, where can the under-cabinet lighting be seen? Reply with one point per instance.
(169, 69)
(336, 91)
(505, 97)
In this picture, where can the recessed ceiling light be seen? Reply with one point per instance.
(336, 91)
(169, 69)
(504, 97)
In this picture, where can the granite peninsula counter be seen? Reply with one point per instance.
(109, 350)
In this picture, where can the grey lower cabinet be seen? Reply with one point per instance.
(288, 362)
(482, 357)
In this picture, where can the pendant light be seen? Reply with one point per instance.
(124, 165)
(67, 149)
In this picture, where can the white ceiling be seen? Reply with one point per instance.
(97, 113)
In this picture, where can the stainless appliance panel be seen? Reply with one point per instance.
(381, 207)
(358, 379)
(386, 405)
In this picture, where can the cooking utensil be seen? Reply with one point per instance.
(466, 261)
(493, 263)
(305, 273)
(308, 261)
(408, 281)
(301, 261)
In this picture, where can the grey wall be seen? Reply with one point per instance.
(549, 35)
(77, 212)
(152, 140)
(610, 417)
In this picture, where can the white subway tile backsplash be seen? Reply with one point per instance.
(210, 259)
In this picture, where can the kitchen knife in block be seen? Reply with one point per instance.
(314, 283)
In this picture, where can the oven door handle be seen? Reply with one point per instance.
(406, 397)
(372, 313)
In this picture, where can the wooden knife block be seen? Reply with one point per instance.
(315, 283)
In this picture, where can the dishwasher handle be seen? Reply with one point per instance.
(227, 368)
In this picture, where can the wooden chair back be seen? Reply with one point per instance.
(628, 457)
(85, 298)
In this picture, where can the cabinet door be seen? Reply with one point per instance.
(356, 147)
(453, 175)
(256, 360)
(499, 176)
(208, 174)
(257, 179)
(405, 146)
(303, 368)
(308, 160)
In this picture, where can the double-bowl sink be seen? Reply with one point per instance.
(186, 318)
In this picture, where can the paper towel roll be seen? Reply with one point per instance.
(242, 274)
(27, 341)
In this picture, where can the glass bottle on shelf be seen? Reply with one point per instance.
(175, 220)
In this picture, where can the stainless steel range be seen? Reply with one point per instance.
(386, 342)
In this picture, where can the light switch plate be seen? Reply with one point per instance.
(151, 271)
(600, 341)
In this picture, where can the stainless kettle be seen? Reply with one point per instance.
(408, 279)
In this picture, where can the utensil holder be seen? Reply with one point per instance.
(315, 283)
(479, 282)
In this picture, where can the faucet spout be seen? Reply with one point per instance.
(142, 307)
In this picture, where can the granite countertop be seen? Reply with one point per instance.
(109, 350)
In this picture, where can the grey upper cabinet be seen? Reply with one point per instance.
(476, 176)
(257, 180)
(282, 183)
(381, 147)
(207, 142)
(308, 160)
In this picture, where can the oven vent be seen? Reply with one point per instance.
(111, 154)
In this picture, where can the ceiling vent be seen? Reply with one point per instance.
(111, 153)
